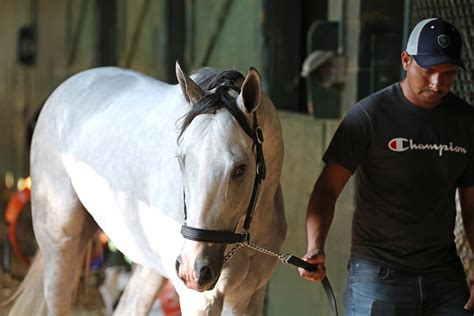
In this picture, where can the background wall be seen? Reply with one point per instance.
(305, 141)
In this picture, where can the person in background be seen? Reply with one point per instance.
(411, 146)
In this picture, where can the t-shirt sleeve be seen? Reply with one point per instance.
(352, 139)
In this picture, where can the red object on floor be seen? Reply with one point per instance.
(14, 207)
(169, 300)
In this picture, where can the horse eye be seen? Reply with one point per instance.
(240, 170)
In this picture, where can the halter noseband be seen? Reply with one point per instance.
(226, 237)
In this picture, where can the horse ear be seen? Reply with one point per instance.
(250, 94)
(191, 91)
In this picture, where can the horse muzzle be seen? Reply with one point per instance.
(201, 271)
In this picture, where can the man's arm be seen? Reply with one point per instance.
(466, 199)
(320, 213)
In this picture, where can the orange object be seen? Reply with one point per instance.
(14, 207)
(169, 300)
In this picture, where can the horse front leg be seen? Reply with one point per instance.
(247, 294)
(252, 305)
(63, 245)
(141, 292)
(201, 304)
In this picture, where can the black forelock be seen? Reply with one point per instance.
(209, 79)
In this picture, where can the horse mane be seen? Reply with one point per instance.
(205, 76)
(222, 81)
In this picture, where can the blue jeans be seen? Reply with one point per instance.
(377, 290)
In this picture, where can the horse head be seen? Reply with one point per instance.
(217, 158)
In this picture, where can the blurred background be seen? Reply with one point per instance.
(316, 59)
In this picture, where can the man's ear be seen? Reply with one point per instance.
(406, 60)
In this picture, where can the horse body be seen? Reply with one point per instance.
(106, 152)
(135, 196)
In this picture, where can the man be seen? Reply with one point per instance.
(412, 145)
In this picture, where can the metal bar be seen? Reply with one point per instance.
(175, 35)
(342, 28)
(406, 28)
(107, 37)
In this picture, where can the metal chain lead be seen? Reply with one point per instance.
(283, 257)
(231, 253)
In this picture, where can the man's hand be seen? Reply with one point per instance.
(319, 258)
(470, 303)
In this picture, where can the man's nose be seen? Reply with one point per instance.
(435, 82)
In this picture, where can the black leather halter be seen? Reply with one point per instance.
(227, 237)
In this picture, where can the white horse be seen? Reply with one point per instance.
(118, 150)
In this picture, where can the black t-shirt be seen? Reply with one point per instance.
(409, 162)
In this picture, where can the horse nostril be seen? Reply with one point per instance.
(205, 275)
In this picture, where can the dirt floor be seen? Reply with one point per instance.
(88, 300)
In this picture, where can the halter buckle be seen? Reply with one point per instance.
(259, 134)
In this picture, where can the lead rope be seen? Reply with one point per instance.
(286, 259)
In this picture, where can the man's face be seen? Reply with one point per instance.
(425, 87)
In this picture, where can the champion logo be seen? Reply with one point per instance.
(402, 144)
(398, 144)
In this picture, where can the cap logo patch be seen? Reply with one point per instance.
(444, 40)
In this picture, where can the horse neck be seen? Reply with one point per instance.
(269, 224)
